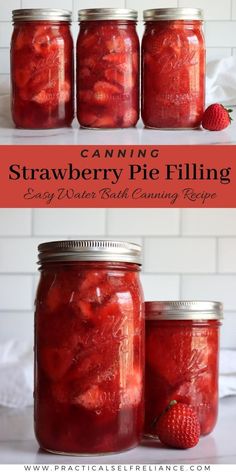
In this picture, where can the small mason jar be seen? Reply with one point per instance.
(42, 69)
(108, 68)
(89, 347)
(182, 350)
(173, 68)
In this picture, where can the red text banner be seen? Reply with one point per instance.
(118, 176)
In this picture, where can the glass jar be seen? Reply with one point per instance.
(108, 69)
(89, 347)
(182, 350)
(42, 69)
(173, 68)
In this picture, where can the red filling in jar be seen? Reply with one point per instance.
(182, 350)
(173, 68)
(107, 69)
(42, 72)
(89, 347)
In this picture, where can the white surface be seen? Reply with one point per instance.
(18, 446)
(131, 136)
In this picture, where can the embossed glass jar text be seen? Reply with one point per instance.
(173, 68)
(182, 349)
(89, 347)
(42, 69)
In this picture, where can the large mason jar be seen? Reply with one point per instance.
(89, 347)
(42, 69)
(173, 68)
(108, 68)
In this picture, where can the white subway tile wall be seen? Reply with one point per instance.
(186, 254)
(220, 20)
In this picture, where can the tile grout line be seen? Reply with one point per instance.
(123, 235)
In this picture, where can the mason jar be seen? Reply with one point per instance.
(108, 68)
(173, 68)
(89, 347)
(42, 69)
(182, 353)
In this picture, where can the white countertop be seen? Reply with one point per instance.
(130, 136)
(18, 446)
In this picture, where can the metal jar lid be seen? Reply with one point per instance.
(40, 14)
(184, 310)
(161, 14)
(90, 250)
(94, 14)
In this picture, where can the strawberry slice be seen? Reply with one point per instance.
(106, 121)
(93, 399)
(88, 41)
(41, 79)
(115, 44)
(115, 58)
(123, 77)
(46, 97)
(52, 97)
(44, 41)
(55, 362)
(91, 279)
(103, 92)
(86, 310)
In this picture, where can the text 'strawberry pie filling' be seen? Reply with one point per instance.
(89, 347)
(108, 69)
(173, 68)
(182, 350)
(42, 69)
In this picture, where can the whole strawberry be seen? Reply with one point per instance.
(216, 117)
(178, 426)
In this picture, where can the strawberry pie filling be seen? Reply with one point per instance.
(107, 74)
(173, 74)
(89, 357)
(182, 365)
(42, 75)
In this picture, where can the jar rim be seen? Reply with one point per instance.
(93, 14)
(161, 14)
(184, 310)
(90, 250)
(40, 14)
